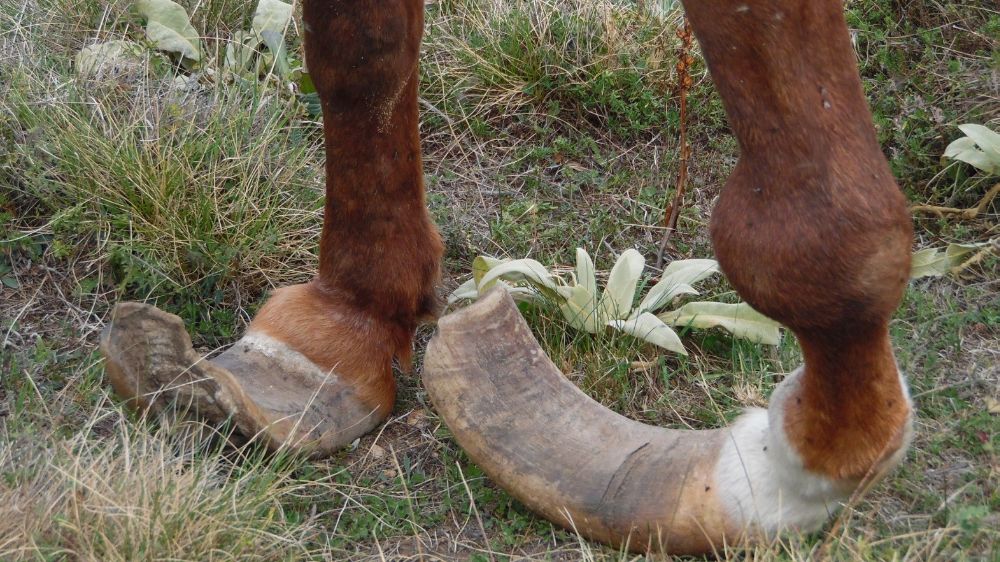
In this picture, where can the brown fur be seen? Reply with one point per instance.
(337, 337)
(379, 252)
(379, 249)
(852, 406)
(811, 228)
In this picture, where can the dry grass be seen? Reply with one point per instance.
(110, 491)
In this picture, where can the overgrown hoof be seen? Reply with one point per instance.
(267, 389)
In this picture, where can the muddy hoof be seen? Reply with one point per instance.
(266, 388)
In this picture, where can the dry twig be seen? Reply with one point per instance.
(968, 214)
(684, 82)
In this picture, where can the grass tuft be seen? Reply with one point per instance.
(588, 63)
(110, 491)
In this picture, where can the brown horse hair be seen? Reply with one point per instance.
(380, 253)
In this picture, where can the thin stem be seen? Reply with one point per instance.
(684, 82)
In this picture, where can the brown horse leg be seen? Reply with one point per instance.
(315, 367)
(811, 230)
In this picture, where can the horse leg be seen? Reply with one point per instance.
(811, 228)
(314, 369)
(812, 231)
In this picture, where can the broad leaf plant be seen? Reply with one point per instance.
(586, 308)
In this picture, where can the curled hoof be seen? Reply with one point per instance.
(616, 480)
(260, 383)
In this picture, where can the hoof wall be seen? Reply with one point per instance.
(266, 388)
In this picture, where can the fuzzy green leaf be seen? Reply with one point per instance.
(619, 294)
(93, 59)
(270, 20)
(956, 253)
(929, 262)
(979, 148)
(522, 270)
(482, 264)
(466, 290)
(739, 319)
(169, 29)
(958, 146)
(240, 51)
(937, 262)
(677, 279)
(988, 140)
(585, 276)
(648, 327)
(519, 294)
(580, 309)
(977, 159)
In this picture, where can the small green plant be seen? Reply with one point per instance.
(980, 147)
(587, 309)
(270, 21)
(169, 29)
(603, 64)
(937, 262)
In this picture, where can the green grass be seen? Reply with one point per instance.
(213, 196)
(574, 63)
(546, 125)
(924, 69)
